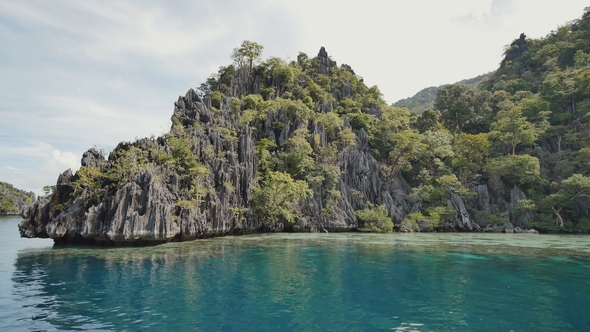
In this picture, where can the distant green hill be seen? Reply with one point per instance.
(12, 200)
(424, 99)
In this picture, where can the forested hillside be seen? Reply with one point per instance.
(534, 113)
(424, 99)
(12, 200)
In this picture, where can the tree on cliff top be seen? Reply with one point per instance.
(247, 54)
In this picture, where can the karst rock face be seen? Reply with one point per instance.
(144, 209)
(151, 204)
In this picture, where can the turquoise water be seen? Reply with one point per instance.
(300, 282)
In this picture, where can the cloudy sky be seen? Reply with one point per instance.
(77, 74)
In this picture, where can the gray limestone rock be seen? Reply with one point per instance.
(325, 63)
(35, 217)
(462, 220)
(496, 186)
(483, 198)
(284, 137)
(509, 228)
(241, 83)
(346, 90)
(148, 208)
(348, 68)
(493, 229)
(519, 219)
(517, 48)
(94, 158)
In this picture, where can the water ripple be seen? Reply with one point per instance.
(353, 282)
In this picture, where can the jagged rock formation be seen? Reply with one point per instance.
(517, 48)
(143, 210)
(13, 200)
(325, 62)
(198, 181)
(462, 220)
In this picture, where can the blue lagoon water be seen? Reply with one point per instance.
(300, 282)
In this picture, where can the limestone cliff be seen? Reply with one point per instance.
(198, 180)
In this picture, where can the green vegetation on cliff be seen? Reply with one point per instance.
(12, 200)
(424, 99)
(525, 124)
(534, 110)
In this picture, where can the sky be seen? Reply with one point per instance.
(81, 74)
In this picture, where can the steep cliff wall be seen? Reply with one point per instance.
(145, 208)
(198, 180)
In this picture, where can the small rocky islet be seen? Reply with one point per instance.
(306, 146)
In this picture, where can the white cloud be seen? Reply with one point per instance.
(61, 161)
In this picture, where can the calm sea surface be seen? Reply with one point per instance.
(299, 282)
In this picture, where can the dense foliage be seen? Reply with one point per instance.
(374, 219)
(525, 124)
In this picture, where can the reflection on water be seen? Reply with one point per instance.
(353, 282)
